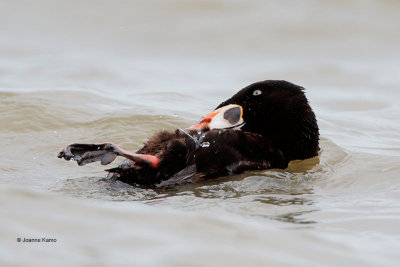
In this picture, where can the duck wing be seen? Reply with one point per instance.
(187, 175)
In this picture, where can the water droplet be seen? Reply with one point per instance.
(205, 144)
(203, 135)
(175, 115)
(198, 132)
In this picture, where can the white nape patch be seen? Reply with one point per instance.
(219, 122)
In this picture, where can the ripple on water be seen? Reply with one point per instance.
(274, 194)
(283, 195)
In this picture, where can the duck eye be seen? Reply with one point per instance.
(257, 92)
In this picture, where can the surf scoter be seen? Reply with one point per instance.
(265, 125)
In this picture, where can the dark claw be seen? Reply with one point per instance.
(60, 154)
(65, 154)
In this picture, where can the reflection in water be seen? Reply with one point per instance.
(280, 201)
(254, 193)
(293, 217)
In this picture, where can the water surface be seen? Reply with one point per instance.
(119, 71)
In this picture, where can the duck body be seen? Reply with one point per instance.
(264, 125)
(204, 155)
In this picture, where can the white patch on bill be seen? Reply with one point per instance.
(219, 121)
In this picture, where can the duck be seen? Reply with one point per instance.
(263, 126)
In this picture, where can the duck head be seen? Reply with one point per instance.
(278, 110)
